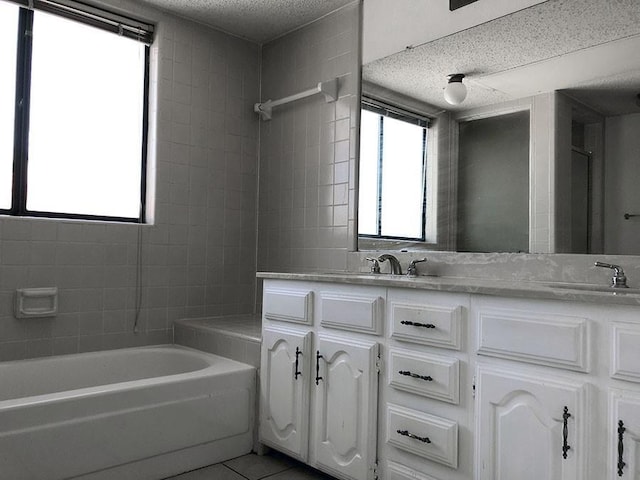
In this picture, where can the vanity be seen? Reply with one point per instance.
(369, 376)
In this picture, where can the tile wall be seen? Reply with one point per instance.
(198, 258)
(307, 151)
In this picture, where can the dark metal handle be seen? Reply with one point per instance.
(318, 357)
(407, 373)
(565, 432)
(406, 433)
(298, 352)
(416, 324)
(621, 431)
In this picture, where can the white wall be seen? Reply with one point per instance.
(308, 149)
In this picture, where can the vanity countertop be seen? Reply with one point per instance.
(523, 289)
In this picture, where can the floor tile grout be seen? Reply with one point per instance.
(279, 465)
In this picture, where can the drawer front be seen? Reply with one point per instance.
(552, 340)
(427, 375)
(357, 313)
(427, 436)
(625, 362)
(432, 325)
(288, 305)
(397, 471)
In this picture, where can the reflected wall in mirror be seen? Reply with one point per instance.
(543, 155)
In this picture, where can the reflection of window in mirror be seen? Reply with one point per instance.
(392, 186)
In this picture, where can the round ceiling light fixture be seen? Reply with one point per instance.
(455, 92)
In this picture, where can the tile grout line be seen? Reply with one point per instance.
(231, 469)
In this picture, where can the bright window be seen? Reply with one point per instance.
(8, 37)
(80, 141)
(392, 175)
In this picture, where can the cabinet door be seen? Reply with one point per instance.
(284, 390)
(345, 408)
(624, 452)
(521, 426)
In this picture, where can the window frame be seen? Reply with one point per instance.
(19, 183)
(384, 109)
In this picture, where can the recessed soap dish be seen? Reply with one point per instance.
(36, 302)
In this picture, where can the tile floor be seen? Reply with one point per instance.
(273, 466)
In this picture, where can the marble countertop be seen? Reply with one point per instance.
(578, 292)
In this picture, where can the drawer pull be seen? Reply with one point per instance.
(621, 464)
(565, 432)
(406, 433)
(318, 377)
(417, 324)
(407, 373)
(298, 353)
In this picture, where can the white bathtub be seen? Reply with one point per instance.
(137, 413)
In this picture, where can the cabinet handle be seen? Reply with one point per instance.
(318, 357)
(565, 432)
(621, 430)
(298, 352)
(407, 373)
(417, 324)
(406, 433)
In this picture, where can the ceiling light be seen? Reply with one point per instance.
(455, 91)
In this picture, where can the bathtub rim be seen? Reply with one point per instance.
(213, 368)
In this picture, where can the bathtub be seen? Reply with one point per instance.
(135, 413)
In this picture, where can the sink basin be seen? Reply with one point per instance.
(588, 287)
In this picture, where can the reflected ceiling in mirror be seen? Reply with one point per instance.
(583, 50)
(539, 49)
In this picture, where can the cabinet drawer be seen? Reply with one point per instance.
(427, 324)
(397, 471)
(427, 375)
(428, 436)
(625, 362)
(553, 340)
(288, 305)
(354, 312)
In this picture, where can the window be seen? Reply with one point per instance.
(392, 173)
(73, 112)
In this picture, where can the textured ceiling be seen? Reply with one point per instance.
(255, 20)
(526, 39)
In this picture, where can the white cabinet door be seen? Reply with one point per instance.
(345, 407)
(624, 434)
(521, 426)
(284, 390)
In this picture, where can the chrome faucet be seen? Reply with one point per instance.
(619, 279)
(396, 268)
(412, 270)
(375, 266)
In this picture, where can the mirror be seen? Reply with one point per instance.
(543, 154)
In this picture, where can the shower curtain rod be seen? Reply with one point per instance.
(329, 89)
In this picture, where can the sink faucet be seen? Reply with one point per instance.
(396, 268)
(412, 270)
(619, 279)
(375, 266)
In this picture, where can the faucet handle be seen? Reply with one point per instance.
(412, 270)
(617, 268)
(375, 265)
(619, 279)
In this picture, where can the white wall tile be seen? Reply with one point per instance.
(94, 264)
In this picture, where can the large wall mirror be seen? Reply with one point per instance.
(543, 154)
